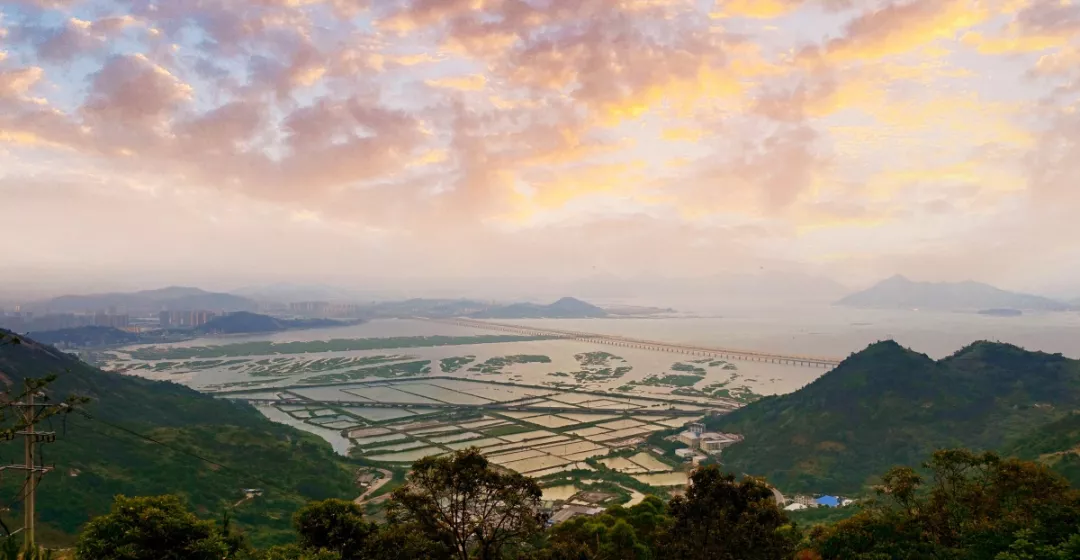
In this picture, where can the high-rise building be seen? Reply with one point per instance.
(184, 318)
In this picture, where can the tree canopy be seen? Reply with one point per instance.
(971, 505)
(151, 528)
(720, 518)
(462, 501)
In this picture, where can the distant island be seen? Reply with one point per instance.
(240, 322)
(899, 292)
(243, 322)
(565, 308)
(1001, 312)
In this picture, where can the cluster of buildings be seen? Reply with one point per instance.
(806, 502)
(324, 309)
(27, 321)
(699, 442)
(184, 318)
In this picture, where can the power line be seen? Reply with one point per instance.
(180, 450)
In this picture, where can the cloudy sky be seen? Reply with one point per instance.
(272, 140)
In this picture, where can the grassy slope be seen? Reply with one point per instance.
(1057, 444)
(94, 461)
(888, 406)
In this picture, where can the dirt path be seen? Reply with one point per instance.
(387, 475)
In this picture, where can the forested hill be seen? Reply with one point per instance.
(888, 405)
(245, 322)
(1056, 444)
(95, 459)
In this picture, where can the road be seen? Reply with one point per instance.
(386, 476)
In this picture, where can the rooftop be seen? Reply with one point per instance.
(571, 511)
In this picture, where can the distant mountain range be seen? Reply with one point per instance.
(760, 286)
(171, 298)
(899, 292)
(300, 292)
(564, 308)
(888, 406)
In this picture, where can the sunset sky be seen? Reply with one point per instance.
(237, 141)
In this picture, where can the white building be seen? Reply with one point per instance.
(684, 453)
(795, 507)
(690, 439)
(712, 442)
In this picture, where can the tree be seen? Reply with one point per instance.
(404, 541)
(971, 505)
(334, 525)
(295, 552)
(721, 519)
(618, 533)
(463, 502)
(150, 528)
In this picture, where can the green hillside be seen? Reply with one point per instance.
(888, 406)
(1056, 444)
(94, 461)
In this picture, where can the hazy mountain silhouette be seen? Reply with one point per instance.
(172, 297)
(901, 293)
(566, 308)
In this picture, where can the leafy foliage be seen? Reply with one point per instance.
(1056, 444)
(463, 502)
(335, 525)
(150, 528)
(630, 533)
(724, 519)
(970, 506)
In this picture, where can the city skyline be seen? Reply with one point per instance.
(230, 143)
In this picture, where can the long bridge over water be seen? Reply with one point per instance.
(726, 353)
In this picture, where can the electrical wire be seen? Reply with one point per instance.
(179, 450)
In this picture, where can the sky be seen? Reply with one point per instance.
(228, 142)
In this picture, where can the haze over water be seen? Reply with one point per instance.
(832, 331)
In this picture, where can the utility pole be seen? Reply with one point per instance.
(31, 413)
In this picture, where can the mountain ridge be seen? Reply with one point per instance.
(563, 308)
(95, 459)
(168, 298)
(900, 292)
(888, 405)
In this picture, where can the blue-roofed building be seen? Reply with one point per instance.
(828, 501)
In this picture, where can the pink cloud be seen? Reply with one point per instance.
(130, 89)
(17, 83)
